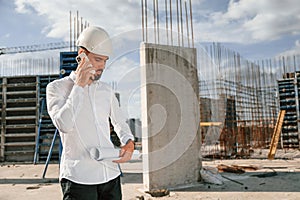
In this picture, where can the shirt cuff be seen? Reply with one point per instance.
(126, 139)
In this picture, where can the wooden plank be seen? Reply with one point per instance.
(20, 126)
(21, 100)
(20, 92)
(20, 117)
(20, 135)
(276, 134)
(21, 109)
(21, 85)
(211, 123)
(20, 144)
(18, 153)
(232, 169)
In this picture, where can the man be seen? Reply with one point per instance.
(80, 107)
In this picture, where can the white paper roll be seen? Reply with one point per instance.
(99, 154)
(104, 153)
(136, 155)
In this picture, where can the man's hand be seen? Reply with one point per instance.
(83, 73)
(126, 152)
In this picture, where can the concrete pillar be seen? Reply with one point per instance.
(170, 116)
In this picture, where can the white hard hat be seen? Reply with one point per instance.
(95, 40)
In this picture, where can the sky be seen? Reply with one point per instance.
(256, 29)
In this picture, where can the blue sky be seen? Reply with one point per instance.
(256, 29)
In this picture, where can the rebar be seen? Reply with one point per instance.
(154, 16)
(181, 22)
(143, 20)
(191, 20)
(178, 25)
(167, 31)
(171, 21)
(157, 20)
(187, 23)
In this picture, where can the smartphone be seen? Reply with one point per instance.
(81, 56)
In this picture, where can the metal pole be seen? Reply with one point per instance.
(181, 22)
(77, 22)
(143, 31)
(192, 28)
(74, 33)
(157, 16)
(146, 20)
(154, 16)
(70, 31)
(171, 22)
(178, 28)
(166, 8)
(187, 23)
(50, 153)
(81, 25)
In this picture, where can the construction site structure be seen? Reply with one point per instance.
(289, 88)
(239, 99)
(243, 99)
(20, 114)
(26, 128)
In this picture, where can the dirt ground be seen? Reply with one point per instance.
(273, 179)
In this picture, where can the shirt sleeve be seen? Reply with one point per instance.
(63, 109)
(118, 121)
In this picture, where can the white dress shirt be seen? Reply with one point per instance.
(82, 117)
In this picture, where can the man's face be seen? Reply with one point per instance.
(98, 61)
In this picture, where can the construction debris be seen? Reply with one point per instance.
(232, 169)
(158, 192)
(211, 175)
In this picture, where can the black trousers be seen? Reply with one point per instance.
(106, 191)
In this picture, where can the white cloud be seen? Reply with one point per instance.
(250, 21)
(295, 50)
(21, 7)
(114, 15)
(244, 21)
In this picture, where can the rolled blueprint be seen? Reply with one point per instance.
(99, 154)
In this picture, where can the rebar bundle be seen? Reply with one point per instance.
(159, 27)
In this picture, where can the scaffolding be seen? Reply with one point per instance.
(243, 98)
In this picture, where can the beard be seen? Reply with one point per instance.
(98, 76)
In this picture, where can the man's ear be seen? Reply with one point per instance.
(80, 50)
